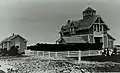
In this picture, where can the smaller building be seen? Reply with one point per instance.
(14, 40)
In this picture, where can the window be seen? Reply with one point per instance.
(100, 27)
(95, 27)
(17, 44)
(72, 30)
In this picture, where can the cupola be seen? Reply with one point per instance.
(89, 12)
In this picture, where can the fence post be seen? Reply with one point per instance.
(99, 52)
(68, 53)
(43, 53)
(79, 57)
(49, 53)
(56, 54)
(89, 52)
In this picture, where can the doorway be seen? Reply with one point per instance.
(98, 40)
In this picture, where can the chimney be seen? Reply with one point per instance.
(68, 22)
(13, 34)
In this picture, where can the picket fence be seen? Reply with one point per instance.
(78, 54)
(63, 53)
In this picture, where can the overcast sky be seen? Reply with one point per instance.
(40, 20)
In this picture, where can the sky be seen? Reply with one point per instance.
(41, 20)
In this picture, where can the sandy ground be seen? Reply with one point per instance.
(54, 65)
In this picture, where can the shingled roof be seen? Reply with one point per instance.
(72, 39)
(110, 36)
(10, 38)
(81, 24)
(84, 23)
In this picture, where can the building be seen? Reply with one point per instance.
(14, 40)
(71, 40)
(91, 28)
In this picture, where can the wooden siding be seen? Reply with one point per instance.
(23, 44)
(105, 41)
(105, 30)
(110, 42)
(82, 32)
(85, 37)
(91, 30)
(91, 38)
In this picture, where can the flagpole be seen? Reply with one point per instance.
(89, 2)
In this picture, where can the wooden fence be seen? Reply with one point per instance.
(78, 54)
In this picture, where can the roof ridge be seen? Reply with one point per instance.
(83, 23)
(10, 37)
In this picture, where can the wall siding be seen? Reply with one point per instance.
(105, 41)
(5, 45)
(85, 37)
(110, 41)
(91, 38)
(82, 32)
(91, 30)
(23, 44)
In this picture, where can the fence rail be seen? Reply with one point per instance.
(78, 54)
(63, 53)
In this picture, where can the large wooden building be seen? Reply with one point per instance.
(91, 28)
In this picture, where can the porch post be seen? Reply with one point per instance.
(8, 46)
(103, 42)
(107, 40)
(89, 38)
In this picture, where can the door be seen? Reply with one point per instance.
(97, 40)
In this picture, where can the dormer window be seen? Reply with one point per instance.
(72, 28)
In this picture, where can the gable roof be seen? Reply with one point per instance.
(72, 39)
(110, 36)
(12, 37)
(89, 9)
(82, 24)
